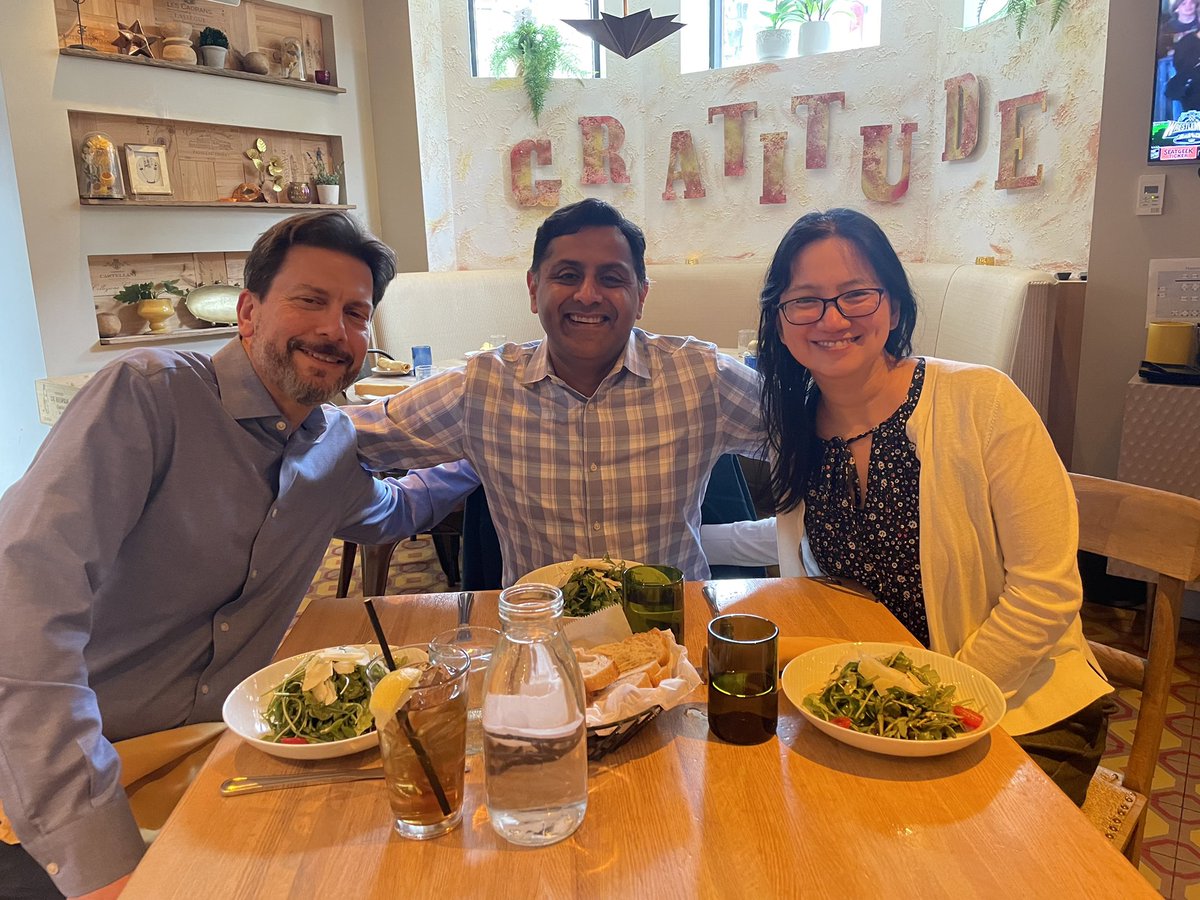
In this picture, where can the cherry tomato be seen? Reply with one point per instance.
(293, 740)
(842, 722)
(969, 718)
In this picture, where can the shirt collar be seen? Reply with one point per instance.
(244, 396)
(633, 359)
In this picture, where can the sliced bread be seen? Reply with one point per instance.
(639, 649)
(599, 671)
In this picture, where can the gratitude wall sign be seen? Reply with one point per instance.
(603, 139)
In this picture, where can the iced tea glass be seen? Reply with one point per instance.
(479, 641)
(423, 746)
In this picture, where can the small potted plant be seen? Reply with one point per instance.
(328, 180)
(153, 299)
(774, 41)
(538, 52)
(813, 16)
(214, 45)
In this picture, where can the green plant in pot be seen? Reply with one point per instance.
(815, 31)
(214, 46)
(328, 180)
(538, 52)
(774, 41)
(153, 299)
(1020, 10)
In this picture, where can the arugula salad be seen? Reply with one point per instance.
(589, 589)
(325, 698)
(893, 697)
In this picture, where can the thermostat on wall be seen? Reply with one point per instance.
(1150, 194)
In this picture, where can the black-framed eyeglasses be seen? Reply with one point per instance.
(852, 304)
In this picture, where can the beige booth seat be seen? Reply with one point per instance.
(994, 315)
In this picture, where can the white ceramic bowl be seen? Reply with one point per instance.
(557, 573)
(811, 671)
(245, 704)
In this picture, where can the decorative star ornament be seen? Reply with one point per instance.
(132, 41)
(628, 34)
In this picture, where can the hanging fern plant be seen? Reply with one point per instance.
(1020, 10)
(538, 52)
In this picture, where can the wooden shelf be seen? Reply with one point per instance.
(211, 204)
(151, 337)
(199, 69)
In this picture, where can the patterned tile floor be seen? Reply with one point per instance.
(1171, 851)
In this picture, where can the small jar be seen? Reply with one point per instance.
(299, 192)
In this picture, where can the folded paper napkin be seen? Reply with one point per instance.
(155, 771)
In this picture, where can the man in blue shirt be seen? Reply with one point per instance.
(159, 545)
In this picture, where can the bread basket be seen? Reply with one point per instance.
(604, 739)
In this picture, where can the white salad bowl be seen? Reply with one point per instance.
(556, 574)
(243, 713)
(811, 671)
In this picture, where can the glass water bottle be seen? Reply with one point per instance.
(534, 730)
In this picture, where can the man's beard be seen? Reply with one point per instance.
(281, 368)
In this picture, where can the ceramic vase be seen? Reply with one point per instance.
(214, 57)
(329, 194)
(814, 37)
(299, 192)
(177, 43)
(156, 312)
(773, 43)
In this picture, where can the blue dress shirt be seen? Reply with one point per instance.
(151, 559)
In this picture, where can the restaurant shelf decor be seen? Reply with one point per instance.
(100, 176)
(628, 34)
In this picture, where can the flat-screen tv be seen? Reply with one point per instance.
(1175, 128)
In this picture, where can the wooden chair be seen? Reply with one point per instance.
(1159, 531)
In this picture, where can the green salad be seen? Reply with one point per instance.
(893, 697)
(591, 588)
(325, 698)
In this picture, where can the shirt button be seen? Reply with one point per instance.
(274, 513)
(594, 467)
(595, 526)
(281, 425)
(52, 868)
(254, 573)
(224, 626)
(204, 688)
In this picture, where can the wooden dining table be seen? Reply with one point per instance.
(674, 813)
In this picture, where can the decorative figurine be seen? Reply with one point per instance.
(291, 59)
(99, 169)
(132, 41)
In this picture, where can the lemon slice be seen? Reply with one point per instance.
(393, 691)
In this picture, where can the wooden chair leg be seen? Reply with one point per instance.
(1148, 616)
(349, 549)
(376, 560)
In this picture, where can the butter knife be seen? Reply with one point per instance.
(253, 784)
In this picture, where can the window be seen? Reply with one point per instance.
(489, 19)
(976, 13)
(724, 32)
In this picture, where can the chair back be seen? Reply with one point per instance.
(1159, 531)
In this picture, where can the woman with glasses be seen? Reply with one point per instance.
(933, 483)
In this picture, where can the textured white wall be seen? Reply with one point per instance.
(951, 211)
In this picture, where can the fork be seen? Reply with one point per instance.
(466, 599)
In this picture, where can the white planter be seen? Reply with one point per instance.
(328, 193)
(773, 43)
(814, 38)
(213, 56)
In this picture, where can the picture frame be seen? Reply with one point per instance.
(147, 165)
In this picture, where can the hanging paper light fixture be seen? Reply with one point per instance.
(626, 35)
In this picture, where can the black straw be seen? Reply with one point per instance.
(379, 635)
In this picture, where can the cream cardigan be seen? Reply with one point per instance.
(999, 534)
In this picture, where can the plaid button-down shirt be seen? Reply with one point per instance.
(622, 472)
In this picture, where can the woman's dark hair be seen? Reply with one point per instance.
(789, 395)
(589, 213)
(328, 230)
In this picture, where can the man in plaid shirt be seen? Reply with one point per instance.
(599, 438)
